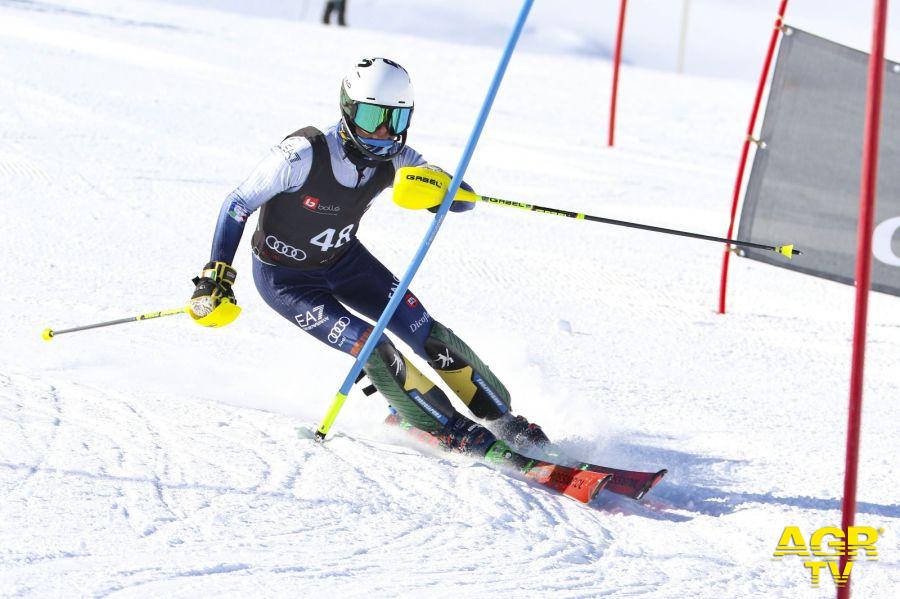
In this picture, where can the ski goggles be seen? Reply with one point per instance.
(369, 117)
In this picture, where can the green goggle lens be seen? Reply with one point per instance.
(369, 117)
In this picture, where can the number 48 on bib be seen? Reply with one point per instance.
(325, 239)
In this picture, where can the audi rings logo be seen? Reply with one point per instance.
(338, 328)
(289, 251)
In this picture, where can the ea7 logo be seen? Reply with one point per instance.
(394, 286)
(858, 539)
(311, 318)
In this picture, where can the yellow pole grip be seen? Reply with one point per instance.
(419, 187)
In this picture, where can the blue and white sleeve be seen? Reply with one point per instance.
(286, 167)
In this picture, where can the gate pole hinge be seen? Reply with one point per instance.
(759, 143)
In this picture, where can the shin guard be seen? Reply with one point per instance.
(415, 397)
(465, 373)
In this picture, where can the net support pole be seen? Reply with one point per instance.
(682, 36)
(617, 59)
(867, 196)
(745, 151)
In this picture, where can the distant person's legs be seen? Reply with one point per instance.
(341, 7)
(329, 8)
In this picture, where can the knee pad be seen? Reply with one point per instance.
(409, 391)
(465, 373)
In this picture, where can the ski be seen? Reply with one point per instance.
(577, 484)
(580, 484)
(631, 483)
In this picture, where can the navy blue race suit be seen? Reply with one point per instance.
(310, 267)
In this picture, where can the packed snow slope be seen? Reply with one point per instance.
(159, 458)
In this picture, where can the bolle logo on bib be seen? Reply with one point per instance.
(288, 251)
(315, 205)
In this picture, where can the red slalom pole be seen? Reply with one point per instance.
(617, 59)
(867, 196)
(764, 76)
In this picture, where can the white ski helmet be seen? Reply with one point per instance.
(376, 92)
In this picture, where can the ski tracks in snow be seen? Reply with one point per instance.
(33, 440)
(107, 494)
(101, 483)
(111, 495)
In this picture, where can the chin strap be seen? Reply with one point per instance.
(358, 154)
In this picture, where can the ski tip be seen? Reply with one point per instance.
(651, 483)
(601, 484)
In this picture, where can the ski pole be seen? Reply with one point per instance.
(786, 249)
(49, 334)
(421, 187)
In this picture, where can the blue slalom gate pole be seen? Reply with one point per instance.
(403, 286)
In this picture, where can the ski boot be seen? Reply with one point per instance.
(517, 431)
(466, 436)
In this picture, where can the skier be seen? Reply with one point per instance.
(312, 190)
(339, 6)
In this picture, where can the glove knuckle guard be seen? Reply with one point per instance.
(212, 303)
